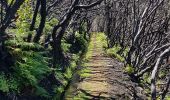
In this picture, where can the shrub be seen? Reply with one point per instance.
(8, 84)
(80, 44)
(112, 52)
(129, 69)
(30, 67)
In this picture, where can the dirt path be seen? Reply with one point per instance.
(106, 80)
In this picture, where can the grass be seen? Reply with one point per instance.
(100, 40)
(112, 52)
(81, 96)
(85, 72)
(89, 51)
(129, 69)
(65, 77)
(167, 97)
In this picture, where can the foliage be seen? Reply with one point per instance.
(49, 25)
(8, 84)
(80, 43)
(81, 96)
(58, 91)
(101, 37)
(89, 52)
(31, 66)
(129, 69)
(32, 60)
(65, 46)
(65, 77)
(113, 53)
(23, 22)
(167, 98)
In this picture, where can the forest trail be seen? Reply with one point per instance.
(106, 79)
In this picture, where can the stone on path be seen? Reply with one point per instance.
(107, 80)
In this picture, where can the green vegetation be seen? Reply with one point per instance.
(85, 72)
(77, 49)
(7, 85)
(129, 69)
(45, 43)
(80, 43)
(113, 52)
(101, 39)
(32, 62)
(65, 77)
(167, 98)
(32, 66)
(88, 52)
(81, 96)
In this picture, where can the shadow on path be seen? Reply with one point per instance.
(106, 80)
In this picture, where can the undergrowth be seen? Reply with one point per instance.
(80, 46)
(113, 52)
(30, 68)
(33, 61)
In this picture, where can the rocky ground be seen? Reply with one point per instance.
(106, 79)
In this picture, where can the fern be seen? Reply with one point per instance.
(30, 68)
(41, 92)
(3, 83)
(23, 45)
(9, 83)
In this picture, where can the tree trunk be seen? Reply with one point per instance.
(57, 53)
(35, 15)
(57, 50)
(42, 23)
